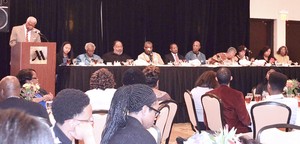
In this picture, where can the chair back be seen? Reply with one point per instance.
(213, 112)
(161, 120)
(167, 130)
(99, 123)
(156, 133)
(190, 106)
(268, 113)
(279, 134)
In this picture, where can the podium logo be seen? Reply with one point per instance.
(38, 55)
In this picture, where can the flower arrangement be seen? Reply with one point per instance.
(291, 87)
(29, 90)
(223, 137)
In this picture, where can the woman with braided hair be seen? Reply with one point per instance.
(132, 111)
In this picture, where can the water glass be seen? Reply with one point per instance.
(248, 98)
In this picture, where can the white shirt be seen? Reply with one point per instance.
(197, 92)
(290, 102)
(101, 99)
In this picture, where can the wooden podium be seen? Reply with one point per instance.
(38, 56)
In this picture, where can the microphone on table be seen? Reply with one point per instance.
(247, 50)
(150, 54)
(42, 35)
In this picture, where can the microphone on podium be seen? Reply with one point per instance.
(42, 35)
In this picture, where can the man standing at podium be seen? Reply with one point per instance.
(25, 32)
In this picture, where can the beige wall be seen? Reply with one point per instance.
(270, 9)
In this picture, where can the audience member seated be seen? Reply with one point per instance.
(282, 55)
(224, 58)
(149, 56)
(102, 90)
(133, 76)
(152, 79)
(277, 82)
(30, 76)
(261, 88)
(174, 56)
(117, 54)
(266, 54)
(133, 110)
(88, 58)
(16, 127)
(10, 92)
(65, 55)
(234, 107)
(73, 115)
(205, 83)
(195, 53)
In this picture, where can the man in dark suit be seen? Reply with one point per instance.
(173, 56)
(235, 112)
(10, 93)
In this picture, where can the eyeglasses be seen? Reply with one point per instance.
(34, 78)
(157, 112)
(89, 120)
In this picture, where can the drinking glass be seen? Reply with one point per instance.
(257, 97)
(74, 61)
(248, 98)
(68, 62)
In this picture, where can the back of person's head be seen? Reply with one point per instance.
(224, 76)
(68, 103)
(151, 73)
(24, 75)
(9, 86)
(16, 127)
(277, 81)
(207, 79)
(102, 79)
(133, 76)
(127, 99)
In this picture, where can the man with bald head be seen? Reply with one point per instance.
(195, 53)
(25, 33)
(10, 93)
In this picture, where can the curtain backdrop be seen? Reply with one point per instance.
(217, 24)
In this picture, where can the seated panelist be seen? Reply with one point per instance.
(117, 54)
(149, 56)
(174, 56)
(195, 53)
(222, 57)
(89, 57)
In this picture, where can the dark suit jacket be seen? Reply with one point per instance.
(29, 107)
(132, 133)
(169, 58)
(235, 112)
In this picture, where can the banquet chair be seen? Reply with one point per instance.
(167, 130)
(99, 123)
(156, 133)
(279, 134)
(213, 112)
(190, 106)
(162, 118)
(268, 113)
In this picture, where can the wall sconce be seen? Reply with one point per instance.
(283, 15)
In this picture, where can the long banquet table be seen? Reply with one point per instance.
(174, 80)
